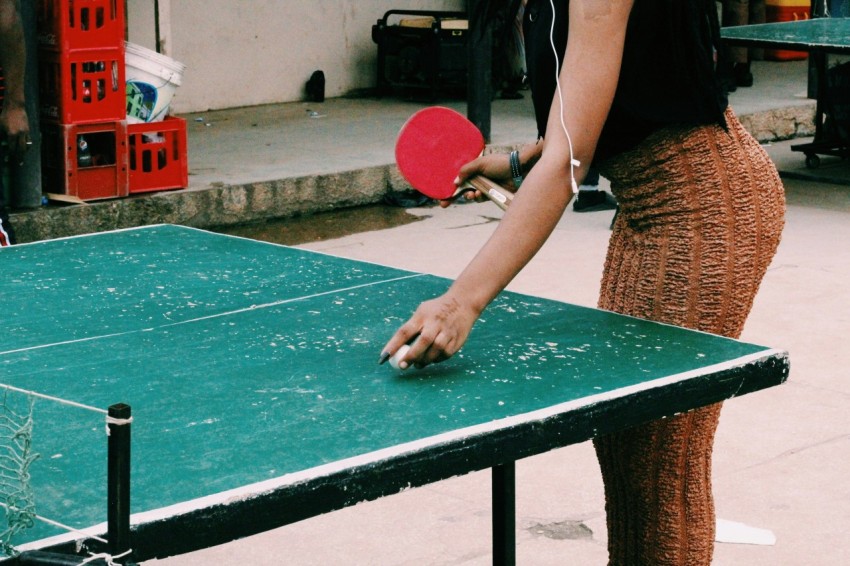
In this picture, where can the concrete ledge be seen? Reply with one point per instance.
(781, 124)
(285, 198)
(213, 207)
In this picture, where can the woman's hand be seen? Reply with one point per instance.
(14, 129)
(439, 326)
(494, 166)
(497, 168)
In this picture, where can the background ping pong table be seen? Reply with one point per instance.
(820, 37)
(257, 400)
(831, 35)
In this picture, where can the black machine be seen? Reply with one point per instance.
(421, 50)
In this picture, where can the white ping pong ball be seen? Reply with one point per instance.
(399, 355)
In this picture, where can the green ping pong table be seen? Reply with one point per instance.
(248, 375)
(820, 37)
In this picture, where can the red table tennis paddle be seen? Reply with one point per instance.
(431, 148)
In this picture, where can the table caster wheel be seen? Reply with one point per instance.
(812, 161)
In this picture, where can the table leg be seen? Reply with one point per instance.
(504, 514)
(827, 141)
(820, 69)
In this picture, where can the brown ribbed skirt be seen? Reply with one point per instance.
(701, 213)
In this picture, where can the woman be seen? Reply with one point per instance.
(701, 212)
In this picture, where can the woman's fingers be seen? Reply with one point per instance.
(435, 332)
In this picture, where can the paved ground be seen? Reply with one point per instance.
(781, 455)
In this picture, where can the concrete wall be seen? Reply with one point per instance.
(244, 53)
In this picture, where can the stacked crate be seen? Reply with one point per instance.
(157, 155)
(82, 97)
(89, 149)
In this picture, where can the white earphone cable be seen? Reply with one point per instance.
(573, 162)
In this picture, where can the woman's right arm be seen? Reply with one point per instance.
(593, 56)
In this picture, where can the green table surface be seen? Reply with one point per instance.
(830, 35)
(252, 369)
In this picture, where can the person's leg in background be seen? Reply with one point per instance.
(758, 15)
(540, 29)
(508, 56)
(739, 13)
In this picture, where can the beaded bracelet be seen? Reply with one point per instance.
(516, 169)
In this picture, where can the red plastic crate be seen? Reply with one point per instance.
(106, 177)
(157, 155)
(786, 11)
(82, 86)
(64, 25)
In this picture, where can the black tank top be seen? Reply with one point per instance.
(667, 76)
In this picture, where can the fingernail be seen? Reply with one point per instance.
(457, 181)
(383, 359)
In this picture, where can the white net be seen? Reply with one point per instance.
(16, 456)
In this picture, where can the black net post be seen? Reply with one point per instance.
(118, 481)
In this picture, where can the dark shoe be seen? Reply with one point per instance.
(743, 76)
(592, 201)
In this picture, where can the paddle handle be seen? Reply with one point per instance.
(495, 192)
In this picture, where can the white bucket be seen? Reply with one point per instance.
(151, 79)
